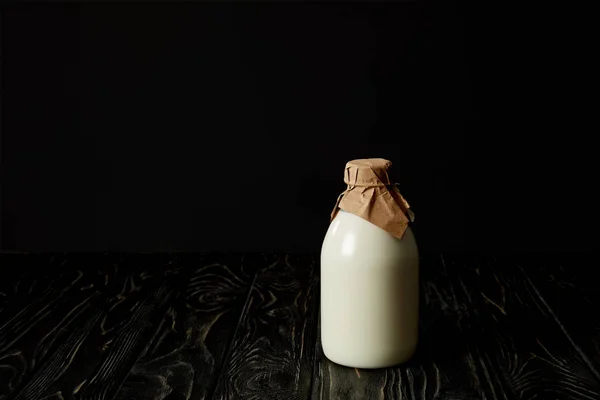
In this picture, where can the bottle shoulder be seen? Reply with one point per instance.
(352, 236)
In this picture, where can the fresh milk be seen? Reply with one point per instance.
(369, 294)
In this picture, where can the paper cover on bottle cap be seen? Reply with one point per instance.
(372, 196)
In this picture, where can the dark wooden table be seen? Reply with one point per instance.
(225, 326)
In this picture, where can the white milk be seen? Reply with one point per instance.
(369, 294)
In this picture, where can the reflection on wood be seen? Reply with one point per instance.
(234, 326)
(442, 367)
(483, 335)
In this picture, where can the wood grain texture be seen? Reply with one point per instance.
(185, 355)
(567, 288)
(82, 332)
(484, 334)
(235, 326)
(442, 367)
(43, 310)
(272, 352)
(513, 336)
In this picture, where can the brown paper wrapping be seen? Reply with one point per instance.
(372, 196)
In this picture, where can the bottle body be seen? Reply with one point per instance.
(369, 294)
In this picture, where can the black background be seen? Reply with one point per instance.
(195, 127)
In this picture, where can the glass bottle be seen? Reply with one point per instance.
(369, 272)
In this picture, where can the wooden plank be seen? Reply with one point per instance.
(515, 338)
(489, 329)
(442, 366)
(127, 322)
(272, 352)
(484, 334)
(41, 303)
(186, 351)
(566, 287)
(80, 334)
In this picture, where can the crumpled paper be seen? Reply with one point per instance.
(372, 196)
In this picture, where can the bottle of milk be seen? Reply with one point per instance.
(369, 272)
